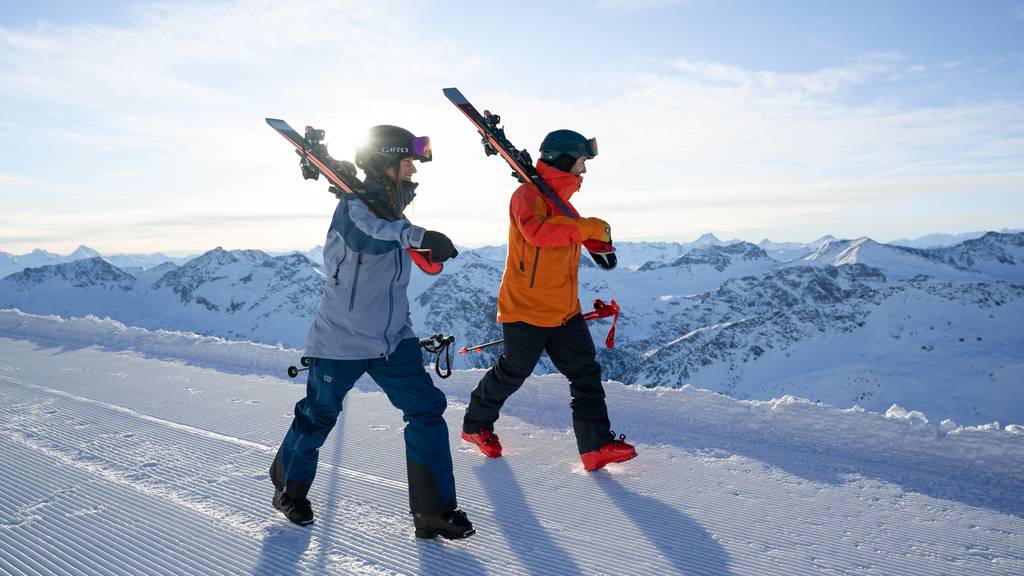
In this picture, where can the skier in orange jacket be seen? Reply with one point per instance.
(539, 308)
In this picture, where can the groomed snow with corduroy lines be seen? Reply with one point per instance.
(129, 452)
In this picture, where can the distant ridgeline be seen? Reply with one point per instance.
(840, 321)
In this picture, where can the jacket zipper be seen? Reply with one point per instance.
(576, 282)
(522, 252)
(355, 282)
(536, 259)
(391, 303)
(336, 272)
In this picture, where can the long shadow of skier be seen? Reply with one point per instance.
(330, 496)
(285, 546)
(446, 559)
(537, 551)
(680, 539)
(282, 550)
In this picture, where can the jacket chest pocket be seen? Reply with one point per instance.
(337, 266)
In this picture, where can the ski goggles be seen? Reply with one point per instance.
(421, 148)
(588, 148)
(418, 148)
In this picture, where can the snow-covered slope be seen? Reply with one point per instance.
(994, 255)
(955, 349)
(237, 294)
(137, 452)
(897, 261)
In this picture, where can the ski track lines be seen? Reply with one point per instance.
(148, 495)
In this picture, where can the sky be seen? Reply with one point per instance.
(139, 126)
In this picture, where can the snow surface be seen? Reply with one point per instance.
(130, 451)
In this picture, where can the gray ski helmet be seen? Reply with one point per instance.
(567, 142)
(386, 144)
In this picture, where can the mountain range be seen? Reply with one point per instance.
(848, 322)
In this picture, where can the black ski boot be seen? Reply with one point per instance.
(297, 510)
(451, 525)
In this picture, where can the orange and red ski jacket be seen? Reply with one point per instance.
(539, 285)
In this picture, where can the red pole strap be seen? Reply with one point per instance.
(602, 310)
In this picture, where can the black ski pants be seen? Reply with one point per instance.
(571, 349)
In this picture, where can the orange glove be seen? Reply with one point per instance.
(594, 229)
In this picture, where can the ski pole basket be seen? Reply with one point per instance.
(293, 371)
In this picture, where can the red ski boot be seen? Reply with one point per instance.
(615, 451)
(486, 440)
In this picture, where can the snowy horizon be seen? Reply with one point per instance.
(926, 240)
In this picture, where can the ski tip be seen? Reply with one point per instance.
(454, 95)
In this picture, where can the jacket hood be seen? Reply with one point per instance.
(565, 184)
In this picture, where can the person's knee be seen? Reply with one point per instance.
(425, 407)
(437, 403)
(587, 373)
(321, 417)
(512, 369)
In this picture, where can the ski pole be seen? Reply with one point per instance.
(466, 350)
(601, 310)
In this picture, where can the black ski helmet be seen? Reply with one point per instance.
(386, 145)
(569, 143)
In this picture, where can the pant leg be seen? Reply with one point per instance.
(328, 381)
(524, 344)
(427, 453)
(571, 350)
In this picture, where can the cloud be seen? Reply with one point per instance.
(766, 82)
(158, 126)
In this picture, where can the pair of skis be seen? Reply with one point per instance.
(495, 142)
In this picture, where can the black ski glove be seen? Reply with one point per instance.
(441, 248)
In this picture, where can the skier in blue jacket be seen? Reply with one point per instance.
(363, 326)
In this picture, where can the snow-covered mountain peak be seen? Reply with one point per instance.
(718, 257)
(83, 273)
(81, 252)
(254, 257)
(851, 254)
(827, 250)
(708, 239)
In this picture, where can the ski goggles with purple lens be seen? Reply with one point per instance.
(421, 148)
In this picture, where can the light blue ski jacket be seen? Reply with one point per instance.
(364, 312)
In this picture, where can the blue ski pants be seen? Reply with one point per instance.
(410, 389)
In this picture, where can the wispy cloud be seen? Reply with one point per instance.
(766, 82)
